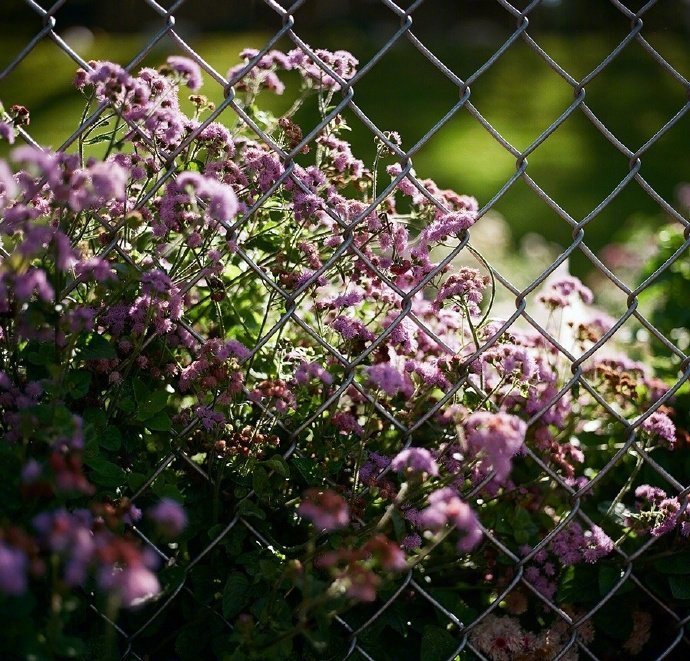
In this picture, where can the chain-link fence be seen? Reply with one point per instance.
(133, 643)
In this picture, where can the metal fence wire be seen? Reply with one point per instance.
(133, 637)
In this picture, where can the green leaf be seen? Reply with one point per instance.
(234, 594)
(579, 584)
(437, 644)
(77, 383)
(110, 438)
(39, 354)
(159, 422)
(136, 480)
(95, 417)
(614, 618)
(151, 404)
(307, 469)
(104, 472)
(608, 577)
(678, 563)
(141, 390)
(95, 347)
(126, 404)
(680, 586)
(260, 482)
(278, 464)
(523, 526)
(248, 508)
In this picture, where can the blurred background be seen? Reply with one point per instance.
(520, 95)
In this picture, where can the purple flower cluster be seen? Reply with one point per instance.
(317, 74)
(388, 379)
(447, 509)
(415, 460)
(84, 545)
(563, 292)
(467, 286)
(169, 516)
(137, 283)
(657, 513)
(494, 438)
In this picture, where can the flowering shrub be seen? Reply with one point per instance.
(273, 360)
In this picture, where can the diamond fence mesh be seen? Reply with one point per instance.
(133, 633)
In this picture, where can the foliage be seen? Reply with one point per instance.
(277, 345)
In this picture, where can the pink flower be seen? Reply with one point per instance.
(133, 585)
(325, 509)
(360, 583)
(563, 292)
(388, 554)
(499, 636)
(446, 508)
(169, 516)
(389, 379)
(467, 285)
(13, 566)
(415, 460)
(188, 69)
(496, 437)
(659, 425)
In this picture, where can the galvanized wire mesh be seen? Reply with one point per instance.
(289, 31)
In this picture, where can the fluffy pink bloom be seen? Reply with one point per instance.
(659, 426)
(389, 379)
(467, 285)
(325, 509)
(169, 516)
(496, 437)
(446, 508)
(563, 292)
(133, 585)
(415, 460)
(500, 637)
(188, 69)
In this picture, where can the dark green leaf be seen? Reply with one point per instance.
(110, 438)
(105, 473)
(579, 584)
(248, 508)
(234, 594)
(437, 644)
(277, 463)
(260, 482)
(678, 563)
(159, 422)
(307, 469)
(95, 347)
(608, 577)
(77, 383)
(141, 390)
(615, 620)
(151, 404)
(680, 586)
